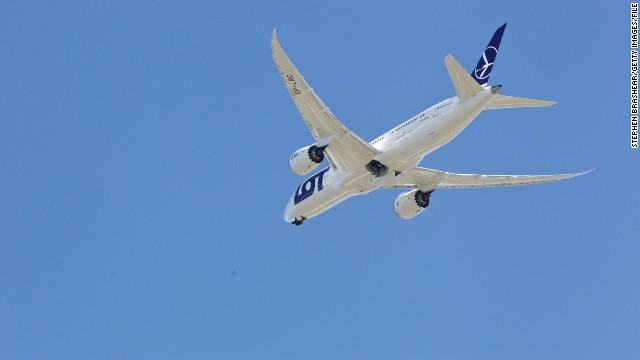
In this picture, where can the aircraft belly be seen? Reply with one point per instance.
(321, 202)
(339, 187)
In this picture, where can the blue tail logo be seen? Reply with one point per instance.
(485, 64)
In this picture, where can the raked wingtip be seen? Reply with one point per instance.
(583, 173)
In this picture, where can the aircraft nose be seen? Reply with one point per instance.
(288, 211)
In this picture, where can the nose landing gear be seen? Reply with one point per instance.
(297, 222)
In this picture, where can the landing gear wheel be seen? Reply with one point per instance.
(297, 222)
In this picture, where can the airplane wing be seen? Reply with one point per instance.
(347, 150)
(428, 179)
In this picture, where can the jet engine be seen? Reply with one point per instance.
(306, 159)
(410, 204)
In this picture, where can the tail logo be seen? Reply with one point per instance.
(483, 72)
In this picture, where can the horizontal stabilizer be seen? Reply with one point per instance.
(504, 102)
(463, 83)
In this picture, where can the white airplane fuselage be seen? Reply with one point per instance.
(401, 149)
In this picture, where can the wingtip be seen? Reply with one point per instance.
(582, 173)
(274, 40)
(449, 58)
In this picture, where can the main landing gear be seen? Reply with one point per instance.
(377, 168)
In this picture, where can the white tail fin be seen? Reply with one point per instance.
(465, 85)
(504, 102)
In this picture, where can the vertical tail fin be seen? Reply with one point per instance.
(483, 69)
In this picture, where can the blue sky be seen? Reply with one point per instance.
(143, 176)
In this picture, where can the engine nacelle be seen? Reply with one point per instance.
(306, 159)
(410, 204)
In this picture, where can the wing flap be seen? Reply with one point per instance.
(359, 152)
(418, 178)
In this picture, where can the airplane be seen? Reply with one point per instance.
(357, 167)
